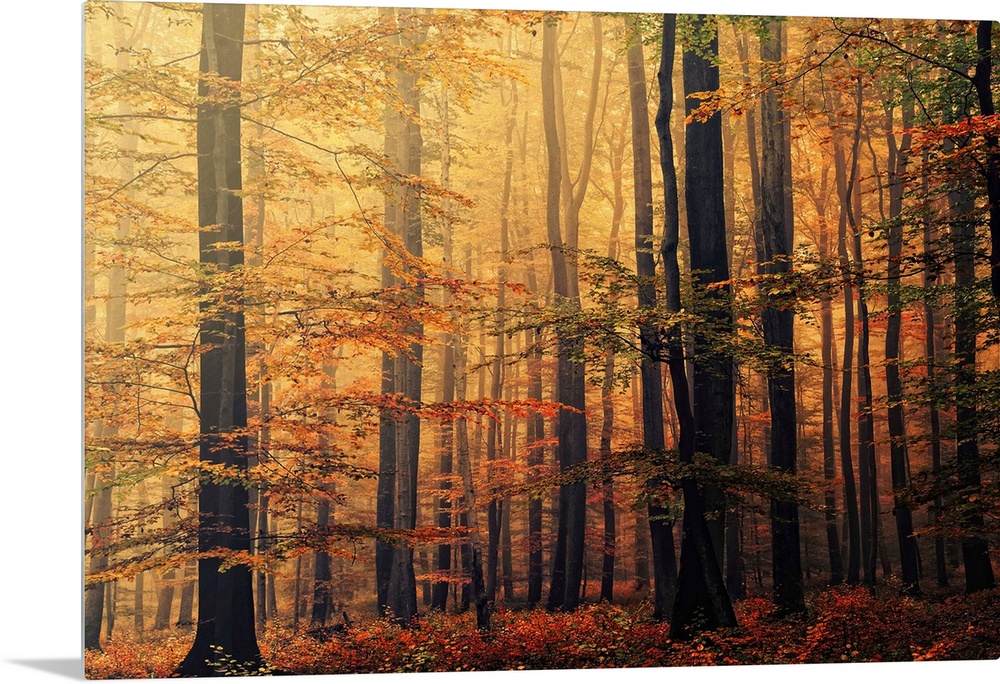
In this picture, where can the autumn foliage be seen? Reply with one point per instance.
(462, 384)
(844, 625)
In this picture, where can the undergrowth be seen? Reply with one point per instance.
(843, 624)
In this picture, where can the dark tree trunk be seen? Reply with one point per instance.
(494, 444)
(447, 444)
(168, 579)
(702, 602)
(165, 600)
(975, 552)
(714, 400)
(322, 570)
(829, 452)
(846, 396)
(399, 452)
(385, 514)
(660, 523)
(867, 479)
(607, 485)
(100, 527)
(185, 610)
(472, 554)
(571, 449)
(402, 597)
(536, 455)
(981, 80)
(930, 277)
(616, 155)
(225, 597)
(778, 334)
(322, 576)
(894, 390)
(535, 423)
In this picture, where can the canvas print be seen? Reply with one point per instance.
(439, 340)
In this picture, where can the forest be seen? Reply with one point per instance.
(437, 340)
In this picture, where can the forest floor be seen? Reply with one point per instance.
(843, 625)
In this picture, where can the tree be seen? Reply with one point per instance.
(225, 636)
(706, 221)
(567, 562)
(399, 442)
(898, 158)
(702, 602)
(778, 334)
(975, 552)
(447, 444)
(846, 397)
(660, 524)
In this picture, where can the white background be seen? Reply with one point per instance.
(40, 405)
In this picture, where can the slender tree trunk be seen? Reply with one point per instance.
(225, 596)
(846, 396)
(571, 450)
(897, 437)
(536, 455)
(110, 609)
(447, 444)
(259, 444)
(930, 277)
(607, 485)
(607, 390)
(660, 523)
(402, 596)
(829, 452)
(385, 515)
(778, 334)
(99, 494)
(975, 551)
(168, 578)
(473, 548)
(494, 444)
(866, 428)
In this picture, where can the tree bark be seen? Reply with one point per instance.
(225, 624)
(930, 277)
(847, 371)
(778, 334)
(867, 479)
(829, 452)
(975, 552)
(385, 514)
(664, 561)
(447, 442)
(571, 449)
(473, 548)
(714, 400)
(898, 158)
(702, 602)
(981, 80)
(607, 386)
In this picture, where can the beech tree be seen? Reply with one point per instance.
(225, 626)
(702, 600)
(660, 524)
(778, 334)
